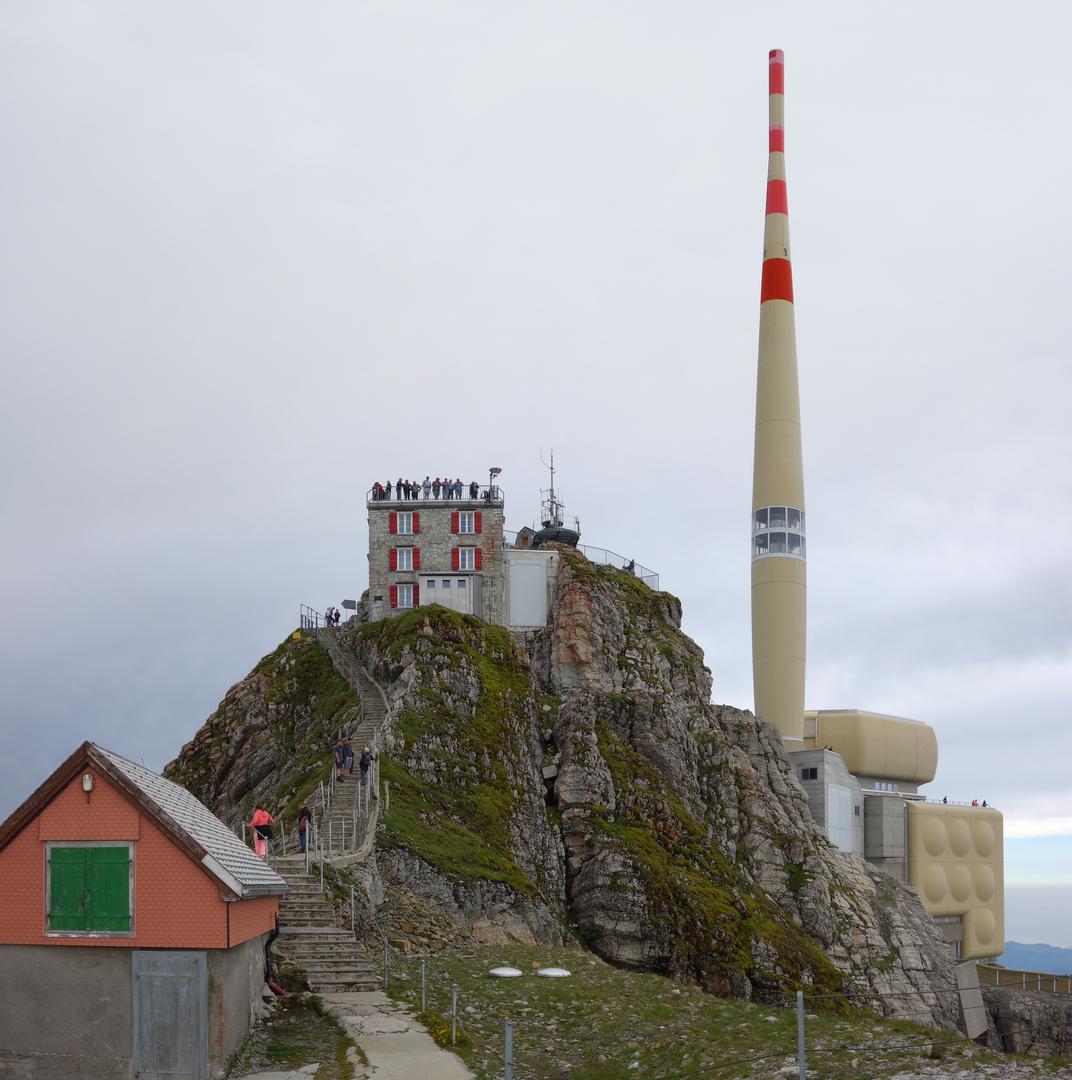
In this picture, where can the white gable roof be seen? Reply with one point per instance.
(226, 857)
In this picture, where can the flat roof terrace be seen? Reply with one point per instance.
(467, 500)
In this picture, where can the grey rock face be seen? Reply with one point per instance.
(1029, 1022)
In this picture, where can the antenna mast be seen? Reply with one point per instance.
(550, 506)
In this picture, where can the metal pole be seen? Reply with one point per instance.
(244, 840)
(330, 844)
(321, 868)
(385, 967)
(800, 1034)
(424, 1000)
(353, 917)
(453, 1013)
(508, 1050)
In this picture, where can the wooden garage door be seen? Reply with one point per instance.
(170, 1015)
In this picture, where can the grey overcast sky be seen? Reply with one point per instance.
(255, 255)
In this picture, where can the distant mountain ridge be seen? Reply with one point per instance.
(1044, 958)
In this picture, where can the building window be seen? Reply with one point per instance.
(809, 774)
(90, 888)
(466, 558)
(466, 523)
(405, 523)
(856, 809)
(405, 596)
(778, 530)
(405, 558)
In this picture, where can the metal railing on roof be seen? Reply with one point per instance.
(603, 557)
(491, 495)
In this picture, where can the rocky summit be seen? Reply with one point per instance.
(577, 782)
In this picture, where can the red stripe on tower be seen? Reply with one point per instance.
(777, 281)
(777, 202)
(777, 71)
(777, 140)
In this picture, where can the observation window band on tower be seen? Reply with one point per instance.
(778, 531)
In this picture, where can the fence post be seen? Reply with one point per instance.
(244, 840)
(330, 844)
(321, 869)
(353, 917)
(508, 1050)
(385, 967)
(800, 1034)
(424, 1000)
(453, 1013)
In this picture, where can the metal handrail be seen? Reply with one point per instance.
(602, 557)
(491, 495)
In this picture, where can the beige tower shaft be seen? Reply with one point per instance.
(779, 582)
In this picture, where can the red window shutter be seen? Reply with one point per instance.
(394, 596)
(416, 596)
(454, 556)
(392, 522)
(394, 558)
(454, 523)
(479, 559)
(478, 527)
(416, 558)
(416, 522)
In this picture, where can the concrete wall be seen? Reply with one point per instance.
(435, 541)
(884, 833)
(235, 983)
(67, 1013)
(529, 579)
(830, 771)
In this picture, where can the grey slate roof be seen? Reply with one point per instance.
(251, 873)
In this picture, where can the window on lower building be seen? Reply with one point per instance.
(405, 596)
(89, 888)
(405, 558)
(466, 558)
(809, 774)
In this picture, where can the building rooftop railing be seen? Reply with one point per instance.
(603, 557)
(488, 495)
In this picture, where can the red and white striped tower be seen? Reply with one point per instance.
(779, 580)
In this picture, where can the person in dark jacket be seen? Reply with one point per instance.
(305, 816)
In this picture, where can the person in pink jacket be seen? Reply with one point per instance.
(261, 823)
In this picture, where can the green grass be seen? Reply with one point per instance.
(595, 1024)
(452, 802)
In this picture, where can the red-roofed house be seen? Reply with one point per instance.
(134, 930)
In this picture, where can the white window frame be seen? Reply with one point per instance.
(405, 597)
(773, 535)
(405, 558)
(405, 522)
(467, 558)
(466, 523)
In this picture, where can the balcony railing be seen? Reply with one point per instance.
(603, 557)
(488, 495)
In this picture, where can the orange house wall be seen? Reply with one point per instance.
(250, 918)
(176, 904)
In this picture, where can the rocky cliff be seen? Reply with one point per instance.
(673, 837)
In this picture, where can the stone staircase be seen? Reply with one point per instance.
(309, 935)
(341, 830)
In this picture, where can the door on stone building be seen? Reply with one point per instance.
(455, 593)
(170, 1015)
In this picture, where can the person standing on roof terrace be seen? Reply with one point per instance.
(426, 487)
(398, 489)
(261, 824)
